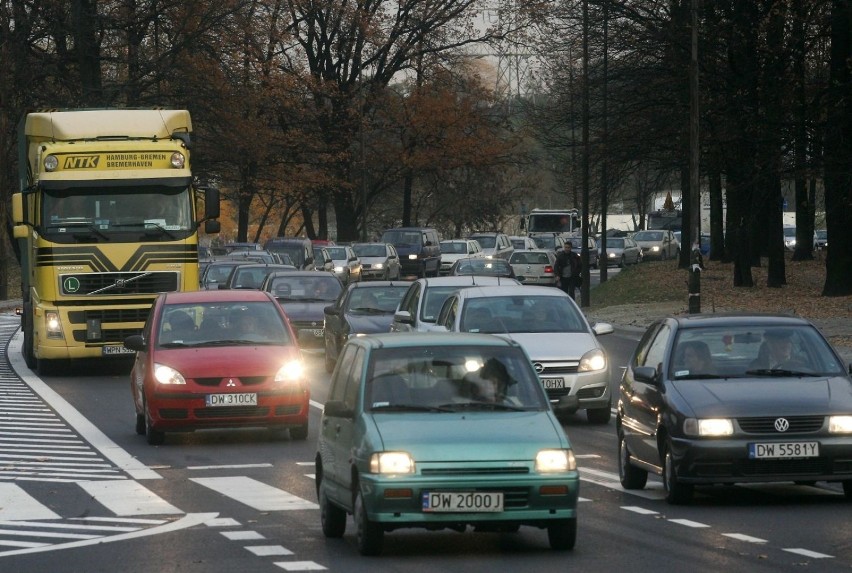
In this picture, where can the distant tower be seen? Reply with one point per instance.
(514, 63)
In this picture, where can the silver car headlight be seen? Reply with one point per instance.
(412, 257)
(592, 361)
(338, 269)
(708, 427)
(378, 266)
(655, 248)
(610, 255)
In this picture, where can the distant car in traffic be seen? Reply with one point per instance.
(522, 242)
(482, 267)
(727, 399)
(622, 251)
(441, 431)
(347, 265)
(534, 267)
(365, 308)
(659, 244)
(594, 253)
(820, 239)
(304, 295)
(421, 303)
(561, 344)
(378, 261)
(551, 241)
(495, 245)
(217, 359)
(252, 275)
(455, 249)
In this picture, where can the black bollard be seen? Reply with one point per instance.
(695, 268)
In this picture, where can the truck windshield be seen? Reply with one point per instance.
(552, 223)
(167, 210)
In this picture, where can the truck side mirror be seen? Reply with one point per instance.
(211, 203)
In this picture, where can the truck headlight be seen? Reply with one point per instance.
(51, 163)
(52, 324)
(178, 160)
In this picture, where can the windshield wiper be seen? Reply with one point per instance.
(87, 224)
(481, 406)
(176, 344)
(409, 408)
(149, 226)
(370, 310)
(699, 377)
(779, 372)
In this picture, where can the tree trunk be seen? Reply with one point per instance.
(84, 18)
(838, 154)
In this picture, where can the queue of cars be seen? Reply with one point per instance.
(448, 392)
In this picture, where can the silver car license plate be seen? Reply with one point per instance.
(553, 383)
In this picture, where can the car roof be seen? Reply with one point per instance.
(757, 320)
(297, 274)
(375, 284)
(466, 280)
(204, 296)
(512, 290)
(421, 339)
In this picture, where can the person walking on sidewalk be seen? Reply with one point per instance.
(567, 268)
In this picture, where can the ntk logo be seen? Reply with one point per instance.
(81, 162)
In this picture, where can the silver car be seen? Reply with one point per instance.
(378, 261)
(419, 307)
(347, 265)
(455, 249)
(621, 251)
(564, 349)
(534, 267)
(658, 244)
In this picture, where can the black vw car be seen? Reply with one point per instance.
(364, 308)
(724, 399)
(304, 294)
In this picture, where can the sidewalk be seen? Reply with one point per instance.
(638, 317)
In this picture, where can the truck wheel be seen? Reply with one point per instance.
(29, 356)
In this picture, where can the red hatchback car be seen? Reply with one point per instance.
(217, 359)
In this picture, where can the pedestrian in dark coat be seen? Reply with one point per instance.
(567, 268)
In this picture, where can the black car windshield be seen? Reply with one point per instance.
(453, 378)
(649, 236)
(322, 287)
(376, 250)
(337, 253)
(376, 300)
(545, 242)
(487, 241)
(615, 243)
(753, 351)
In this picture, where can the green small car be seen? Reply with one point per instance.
(442, 430)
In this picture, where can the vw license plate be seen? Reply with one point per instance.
(242, 399)
(783, 450)
(553, 383)
(462, 501)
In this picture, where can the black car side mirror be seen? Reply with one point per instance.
(646, 374)
(331, 310)
(135, 342)
(338, 409)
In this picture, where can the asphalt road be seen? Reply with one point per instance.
(101, 499)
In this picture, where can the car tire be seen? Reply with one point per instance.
(332, 518)
(299, 433)
(329, 363)
(370, 535)
(423, 271)
(562, 535)
(847, 488)
(677, 493)
(140, 424)
(599, 415)
(630, 476)
(622, 262)
(152, 436)
(663, 256)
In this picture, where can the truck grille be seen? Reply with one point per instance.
(111, 284)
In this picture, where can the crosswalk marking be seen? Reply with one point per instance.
(255, 494)
(128, 497)
(16, 504)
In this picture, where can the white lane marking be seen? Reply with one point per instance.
(316, 405)
(229, 467)
(128, 497)
(51, 443)
(639, 510)
(746, 538)
(306, 463)
(17, 505)
(75, 419)
(266, 550)
(688, 523)
(63, 525)
(300, 566)
(222, 522)
(189, 520)
(242, 535)
(807, 553)
(581, 499)
(610, 480)
(255, 494)
(31, 533)
(9, 543)
(69, 456)
(135, 520)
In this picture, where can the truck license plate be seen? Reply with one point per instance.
(114, 350)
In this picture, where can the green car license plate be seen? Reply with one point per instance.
(462, 501)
